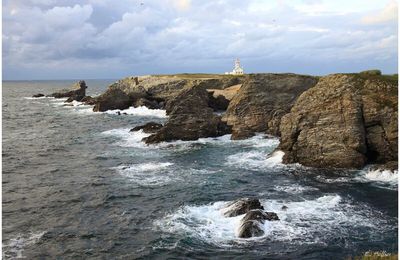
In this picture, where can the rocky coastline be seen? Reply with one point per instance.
(334, 121)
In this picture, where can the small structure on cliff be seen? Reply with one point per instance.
(237, 70)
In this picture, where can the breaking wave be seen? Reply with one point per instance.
(306, 221)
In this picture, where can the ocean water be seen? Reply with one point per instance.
(78, 184)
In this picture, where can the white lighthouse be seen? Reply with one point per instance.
(237, 70)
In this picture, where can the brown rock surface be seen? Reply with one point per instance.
(190, 118)
(261, 102)
(345, 121)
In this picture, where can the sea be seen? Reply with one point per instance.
(77, 184)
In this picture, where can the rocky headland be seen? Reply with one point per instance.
(334, 121)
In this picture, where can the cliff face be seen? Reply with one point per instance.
(261, 102)
(190, 118)
(346, 120)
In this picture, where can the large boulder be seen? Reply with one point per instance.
(190, 118)
(241, 206)
(261, 102)
(38, 95)
(251, 223)
(112, 99)
(345, 121)
(76, 92)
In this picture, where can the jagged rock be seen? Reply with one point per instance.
(190, 118)
(38, 95)
(345, 121)
(261, 102)
(77, 92)
(251, 228)
(88, 100)
(241, 206)
(112, 99)
(251, 223)
(150, 127)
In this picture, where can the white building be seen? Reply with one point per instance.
(237, 70)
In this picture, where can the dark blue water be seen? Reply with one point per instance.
(77, 184)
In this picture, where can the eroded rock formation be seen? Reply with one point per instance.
(76, 92)
(345, 121)
(190, 118)
(261, 102)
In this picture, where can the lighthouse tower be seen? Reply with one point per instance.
(237, 70)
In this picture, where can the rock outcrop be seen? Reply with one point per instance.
(77, 92)
(241, 206)
(156, 91)
(38, 95)
(345, 121)
(251, 223)
(150, 127)
(190, 118)
(261, 102)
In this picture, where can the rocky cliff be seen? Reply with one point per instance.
(190, 118)
(156, 91)
(261, 102)
(346, 120)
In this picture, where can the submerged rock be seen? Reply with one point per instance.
(76, 92)
(38, 95)
(345, 121)
(150, 127)
(190, 118)
(241, 206)
(261, 102)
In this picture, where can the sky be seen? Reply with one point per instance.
(70, 39)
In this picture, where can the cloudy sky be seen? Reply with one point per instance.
(62, 39)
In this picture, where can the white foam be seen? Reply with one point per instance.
(140, 111)
(303, 221)
(379, 177)
(147, 174)
(255, 160)
(382, 176)
(15, 247)
(128, 139)
(34, 98)
(293, 188)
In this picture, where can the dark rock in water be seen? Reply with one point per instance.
(219, 103)
(251, 223)
(150, 127)
(77, 92)
(261, 102)
(391, 166)
(152, 104)
(88, 100)
(251, 228)
(271, 216)
(112, 99)
(38, 95)
(345, 121)
(284, 207)
(190, 118)
(241, 206)
(118, 113)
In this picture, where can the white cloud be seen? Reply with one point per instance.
(387, 14)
